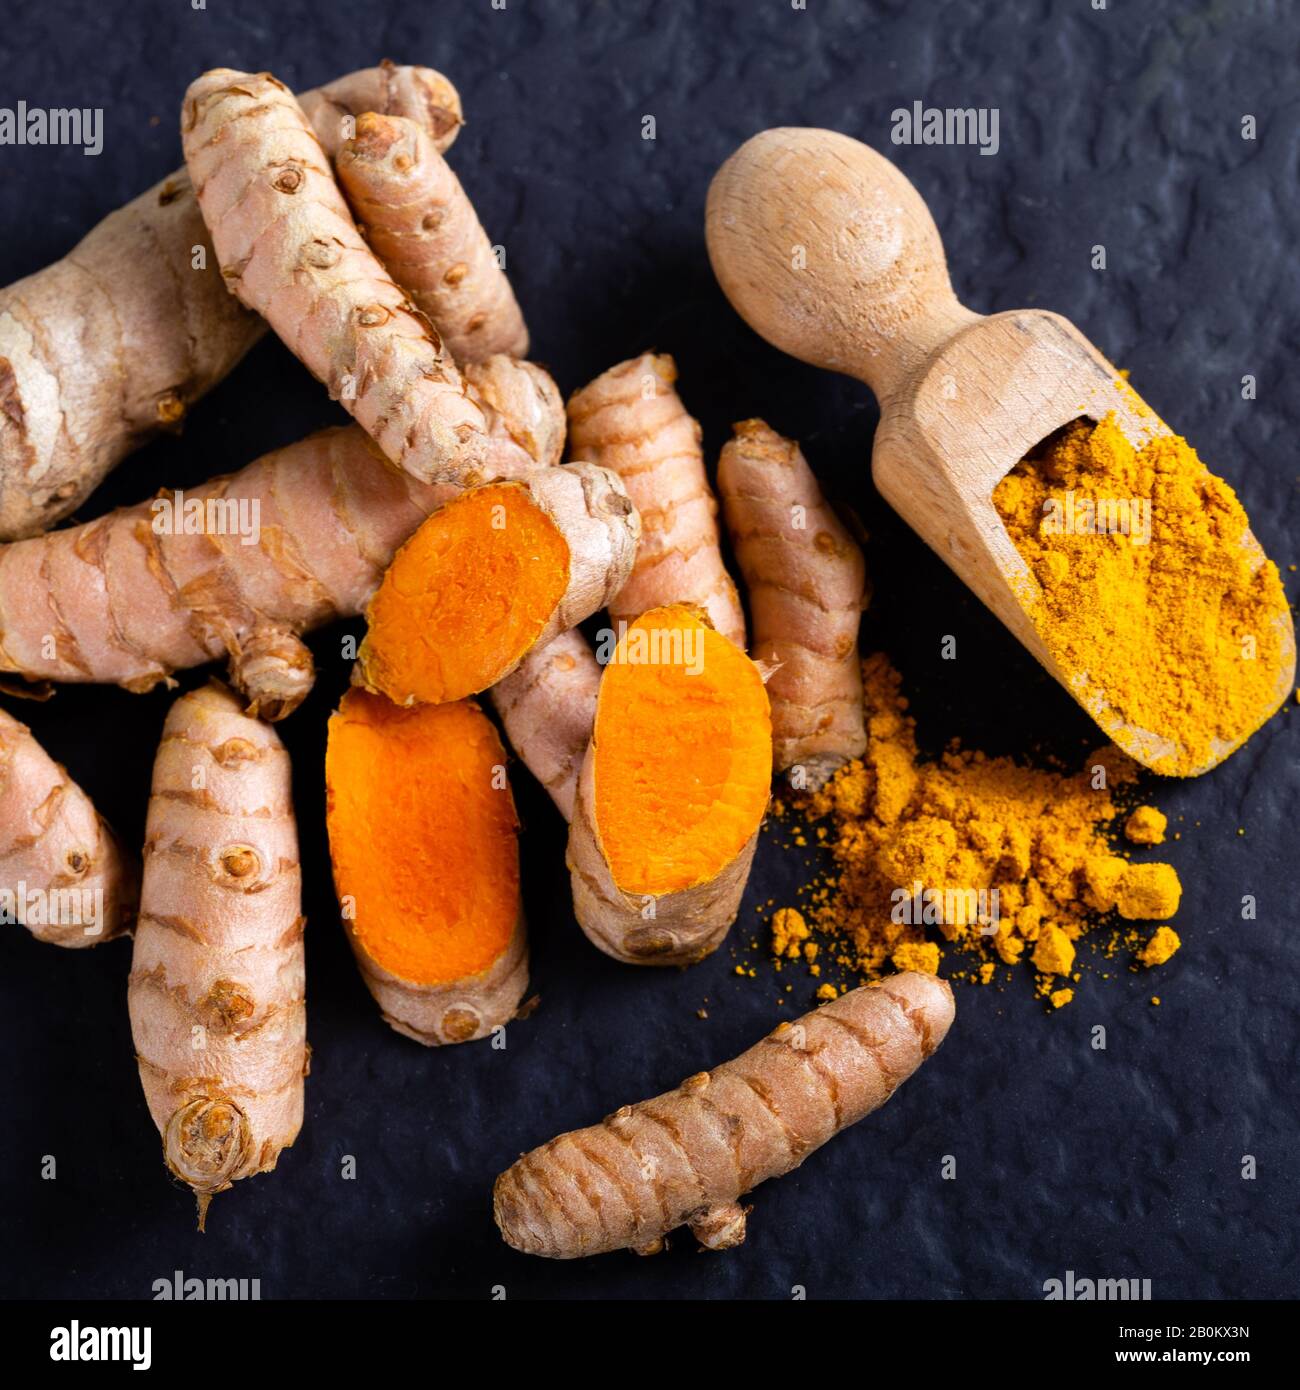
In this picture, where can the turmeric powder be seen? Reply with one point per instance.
(1152, 598)
(1161, 946)
(986, 857)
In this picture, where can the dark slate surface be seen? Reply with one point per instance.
(1120, 127)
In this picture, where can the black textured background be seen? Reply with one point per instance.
(1120, 127)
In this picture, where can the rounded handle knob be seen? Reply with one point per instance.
(828, 252)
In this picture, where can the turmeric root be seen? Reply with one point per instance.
(423, 836)
(497, 571)
(688, 1156)
(523, 414)
(632, 420)
(63, 874)
(672, 791)
(806, 582)
(105, 348)
(288, 248)
(548, 707)
(419, 222)
(216, 993)
(159, 587)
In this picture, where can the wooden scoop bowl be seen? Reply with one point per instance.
(829, 253)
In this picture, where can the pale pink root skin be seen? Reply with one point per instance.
(631, 419)
(219, 947)
(548, 707)
(456, 1012)
(420, 223)
(113, 601)
(116, 341)
(54, 842)
(806, 581)
(524, 412)
(688, 1156)
(415, 94)
(288, 248)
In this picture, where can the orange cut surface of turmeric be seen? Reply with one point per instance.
(423, 834)
(683, 753)
(464, 598)
(1153, 600)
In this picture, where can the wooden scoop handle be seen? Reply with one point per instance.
(827, 251)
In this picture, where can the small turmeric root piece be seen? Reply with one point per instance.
(289, 249)
(424, 841)
(56, 846)
(632, 420)
(548, 706)
(115, 342)
(490, 576)
(672, 791)
(419, 222)
(688, 1156)
(118, 601)
(216, 993)
(806, 581)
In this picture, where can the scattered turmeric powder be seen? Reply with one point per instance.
(1148, 892)
(1146, 826)
(917, 955)
(1054, 953)
(976, 854)
(1161, 946)
(1153, 598)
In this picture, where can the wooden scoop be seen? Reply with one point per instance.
(829, 253)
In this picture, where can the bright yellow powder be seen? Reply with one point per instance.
(1018, 860)
(1159, 615)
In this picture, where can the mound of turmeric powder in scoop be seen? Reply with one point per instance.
(1001, 862)
(1161, 610)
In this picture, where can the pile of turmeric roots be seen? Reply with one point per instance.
(446, 516)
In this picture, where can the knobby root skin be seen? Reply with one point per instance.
(548, 707)
(688, 1156)
(115, 342)
(54, 843)
(218, 957)
(671, 795)
(524, 414)
(462, 1011)
(118, 602)
(424, 843)
(422, 226)
(494, 574)
(632, 420)
(289, 249)
(686, 925)
(806, 581)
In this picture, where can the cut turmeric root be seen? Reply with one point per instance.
(688, 1156)
(423, 838)
(489, 577)
(672, 791)
(139, 593)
